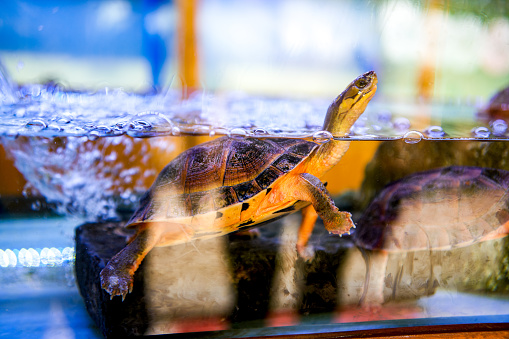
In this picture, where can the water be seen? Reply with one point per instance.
(92, 155)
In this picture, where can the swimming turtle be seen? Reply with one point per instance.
(438, 209)
(231, 184)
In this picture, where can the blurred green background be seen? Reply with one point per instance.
(299, 48)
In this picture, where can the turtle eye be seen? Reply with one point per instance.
(361, 83)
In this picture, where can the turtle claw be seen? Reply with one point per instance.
(116, 282)
(340, 223)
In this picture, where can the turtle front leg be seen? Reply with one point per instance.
(307, 187)
(117, 276)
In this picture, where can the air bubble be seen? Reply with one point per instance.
(11, 258)
(35, 260)
(78, 130)
(19, 112)
(499, 127)
(120, 126)
(401, 124)
(94, 135)
(322, 137)
(36, 125)
(44, 256)
(237, 133)
(156, 114)
(384, 117)
(104, 130)
(57, 256)
(175, 131)
(111, 157)
(201, 129)
(55, 128)
(89, 126)
(36, 205)
(64, 120)
(68, 254)
(435, 132)
(481, 132)
(4, 259)
(140, 124)
(412, 137)
(24, 257)
(260, 131)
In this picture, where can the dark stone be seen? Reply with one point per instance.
(236, 279)
(252, 261)
(96, 244)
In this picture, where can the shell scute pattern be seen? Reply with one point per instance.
(201, 203)
(171, 180)
(247, 190)
(205, 168)
(286, 162)
(268, 176)
(246, 158)
(178, 206)
(302, 148)
(218, 174)
(224, 196)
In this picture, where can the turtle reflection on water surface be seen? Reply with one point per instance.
(228, 184)
(439, 209)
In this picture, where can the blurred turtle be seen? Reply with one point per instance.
(498, 106)
(231, 184)
(439, 209)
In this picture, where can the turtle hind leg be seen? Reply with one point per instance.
(307, 224)
(117, 276)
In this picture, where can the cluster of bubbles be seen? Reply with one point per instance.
(91, 179)
(89, 153)
(49, 110)
(36, 257)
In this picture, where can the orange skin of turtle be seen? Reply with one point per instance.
(301, 184)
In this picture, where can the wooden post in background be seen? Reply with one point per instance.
(187, 51)
(433, 26)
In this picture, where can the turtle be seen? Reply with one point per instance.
(498, 106)
(231, 184)
(439, 209)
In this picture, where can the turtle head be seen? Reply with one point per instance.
(349, 105)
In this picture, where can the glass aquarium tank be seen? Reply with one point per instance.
(163, 165)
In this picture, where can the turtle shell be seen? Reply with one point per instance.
(215, 175)
(438, 209)
(498, 107)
